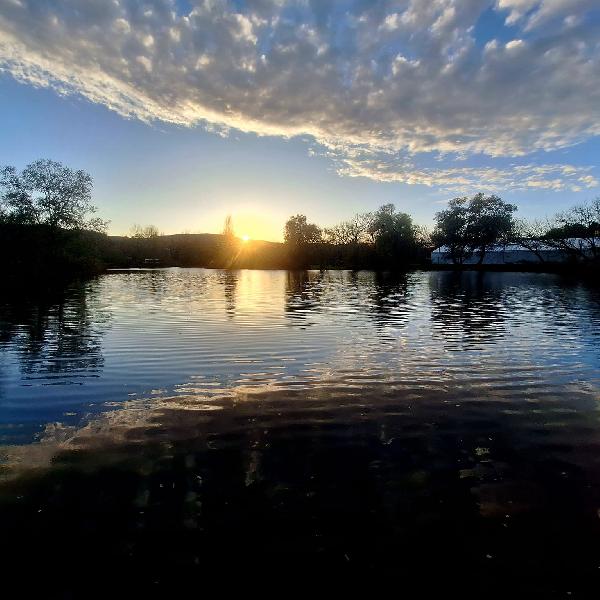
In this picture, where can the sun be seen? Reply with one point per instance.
(245, 238)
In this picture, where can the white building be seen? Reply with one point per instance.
(511, 254)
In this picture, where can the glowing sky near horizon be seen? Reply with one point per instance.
(186, 110)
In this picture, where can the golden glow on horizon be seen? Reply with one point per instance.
(255, 222)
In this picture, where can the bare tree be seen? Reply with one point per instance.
(577, 231)
(228, 230)
(355, 231)
(532, 236)
(144, 233)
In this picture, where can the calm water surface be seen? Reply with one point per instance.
(176, 422)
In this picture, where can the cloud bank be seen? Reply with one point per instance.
(378, 84)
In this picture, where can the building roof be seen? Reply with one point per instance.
(573, 242)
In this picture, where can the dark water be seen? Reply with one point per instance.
(437, 430)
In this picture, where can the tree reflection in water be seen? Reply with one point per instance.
(57, 337)
(466, 308)
(436, 429)
(229, 280)
(56, 334)
(303, 297)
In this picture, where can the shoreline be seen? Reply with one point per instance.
(550, 268)
(32, 281)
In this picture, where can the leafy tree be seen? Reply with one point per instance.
(298, 232)
(394, 233)
(47, 192)
(490, 221)
(451, 230)
(474, 224)
(17, 205)
(302, 240)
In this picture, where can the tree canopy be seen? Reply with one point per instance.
(577, 231)
(47, 192)
(474, 224)
(298, 232)
(393, 233)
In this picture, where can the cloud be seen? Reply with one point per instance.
(398, 77)
(535, 13)
(464, 180)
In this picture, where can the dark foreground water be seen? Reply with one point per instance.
(167, 429)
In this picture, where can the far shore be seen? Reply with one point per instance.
(551, 268)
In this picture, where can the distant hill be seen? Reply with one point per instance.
(197, 250)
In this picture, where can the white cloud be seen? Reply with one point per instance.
(464, 180)
(535, 13)
(121, 25)
(514, 45)
(388, 77)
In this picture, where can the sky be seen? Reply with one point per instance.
(184, 111)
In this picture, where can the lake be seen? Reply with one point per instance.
(164, 427)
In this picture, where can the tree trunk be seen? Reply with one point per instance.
(539, 256)
(481, 255)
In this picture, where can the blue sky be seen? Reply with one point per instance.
(184, 112)
(186, 179)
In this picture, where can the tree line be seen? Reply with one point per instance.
(48, 224)
(383, 238)
(468, 227)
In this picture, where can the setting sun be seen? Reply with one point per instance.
(245, 238)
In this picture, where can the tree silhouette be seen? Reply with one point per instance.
(47, 192)
(298, 232)
(474, 224)
(228, 230)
